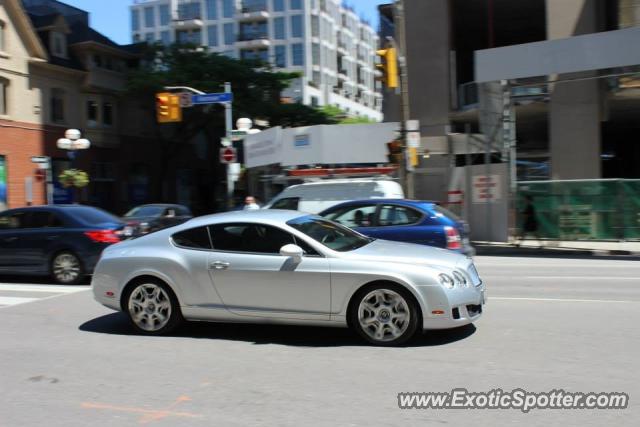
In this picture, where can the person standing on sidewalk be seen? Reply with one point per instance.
(250, 204)
(530, 221)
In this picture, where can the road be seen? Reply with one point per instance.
(549, 324)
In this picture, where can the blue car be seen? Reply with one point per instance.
(411, 221)
(63, 241)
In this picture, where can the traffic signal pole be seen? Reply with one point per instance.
(404, 174)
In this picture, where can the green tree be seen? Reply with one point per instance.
(256, 88)
(337, 116)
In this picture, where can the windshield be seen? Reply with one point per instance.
(332, 235)
(91, 215)
(145, 211)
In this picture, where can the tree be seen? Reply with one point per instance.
(337, 116)
(256, 88)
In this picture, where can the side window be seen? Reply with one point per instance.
(398, 215)
(308, 250)
(290, 203)
(359, 216)
(12, 221)
(42, 219)
(194, 238)
(255, 238)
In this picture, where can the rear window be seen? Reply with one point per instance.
(92, 216)
(290, 204)
(440, 211)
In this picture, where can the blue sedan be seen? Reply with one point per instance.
(410, 221)
(64, 241)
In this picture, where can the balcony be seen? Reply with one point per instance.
(253, 40)
(192, 23)
(253, 11)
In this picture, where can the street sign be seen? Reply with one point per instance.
(40, 159)
(413, 139)
(186, 99)
(212, 98)
(228, 155)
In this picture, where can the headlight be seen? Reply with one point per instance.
(459, 278)
(446, 281)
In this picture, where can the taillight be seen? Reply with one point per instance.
(103, 236)
(453, 238)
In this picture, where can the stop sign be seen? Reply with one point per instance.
(227, 155)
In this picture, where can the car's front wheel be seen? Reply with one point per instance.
(385, 314)
(153, 308)
(66, 268)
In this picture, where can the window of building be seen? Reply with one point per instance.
(278, 5)
(164, 14)
(195, 37)
(315, 80)
(135, 20)
(58, 44)
(212, 35)
(189, 11)
(57, 105)
(296, 4)
(229, 35)
(165, 37)
(315, 26)
(297, 54)
(4, 84)
(315, 54)
(92, 113)
(281, 56)
(228, 8)
(278, 28)
(296, 26)
(212, 9)
(148, 37)
(149, 17)
(107, 114)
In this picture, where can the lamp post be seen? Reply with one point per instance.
(72, 142)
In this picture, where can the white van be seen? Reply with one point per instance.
(314, 197)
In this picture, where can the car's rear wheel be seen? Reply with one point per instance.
(66, 268)
(385, 314)
(153, 308)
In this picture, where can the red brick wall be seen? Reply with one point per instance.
(18, 143)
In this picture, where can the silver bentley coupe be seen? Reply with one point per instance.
(273, 266)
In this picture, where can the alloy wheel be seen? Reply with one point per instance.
(384, 315)
(66, 268)
(150, 307)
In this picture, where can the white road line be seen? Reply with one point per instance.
(15, 300)
(490, 298)
(41, 288)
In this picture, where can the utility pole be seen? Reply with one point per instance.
(404, 173)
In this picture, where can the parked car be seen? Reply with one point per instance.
(63, 241)
(411, 221)
(280, 266)
(314, 197)
(148, 218)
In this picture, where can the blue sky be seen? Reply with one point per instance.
(111, 17)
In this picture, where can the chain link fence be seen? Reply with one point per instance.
(606, 209)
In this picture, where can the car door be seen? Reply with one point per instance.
(253, 279)
(359, 217)
(42, 231)
(404, 224)
(11, 223)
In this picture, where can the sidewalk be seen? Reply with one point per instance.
(559, 248)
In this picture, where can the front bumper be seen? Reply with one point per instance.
(455, 307)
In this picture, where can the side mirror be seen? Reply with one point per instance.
(292, 251)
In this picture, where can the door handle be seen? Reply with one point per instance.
(10, 239)
(219, 265)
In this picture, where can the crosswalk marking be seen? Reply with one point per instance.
(17, 293)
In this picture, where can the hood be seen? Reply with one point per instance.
(409, 253)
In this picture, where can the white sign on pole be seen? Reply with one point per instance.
(186, 99)
(413, 139)
(413, 125)
(486, 188)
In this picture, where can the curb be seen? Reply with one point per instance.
(544, 251)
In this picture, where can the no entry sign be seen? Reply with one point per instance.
(228, 155)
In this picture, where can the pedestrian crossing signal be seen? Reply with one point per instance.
(168, 108)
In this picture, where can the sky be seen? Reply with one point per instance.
(111, 17)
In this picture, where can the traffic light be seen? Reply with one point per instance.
(395, 154)
(388, 66)
(168, 108)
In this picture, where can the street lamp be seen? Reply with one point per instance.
(72, 142)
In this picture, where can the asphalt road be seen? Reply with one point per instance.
(549, 324)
